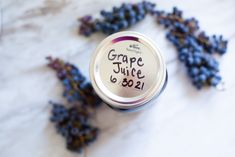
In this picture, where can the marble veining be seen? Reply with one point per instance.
(183, 122)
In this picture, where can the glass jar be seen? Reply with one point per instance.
(127, 71)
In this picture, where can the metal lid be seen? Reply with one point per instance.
(127, 70)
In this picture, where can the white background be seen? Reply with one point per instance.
(183, 122)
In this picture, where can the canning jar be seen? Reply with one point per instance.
(127, 71)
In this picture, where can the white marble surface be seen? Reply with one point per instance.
(182, 123)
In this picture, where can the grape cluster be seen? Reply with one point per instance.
(76, 88)
(194, 47)
(73, 124)
(119, 18)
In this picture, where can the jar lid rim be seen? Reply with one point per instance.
(121, 102)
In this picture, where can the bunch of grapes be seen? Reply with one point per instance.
(194, 47)
(74, 125)
(76, 88)
(74, 122)
(119, 18)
